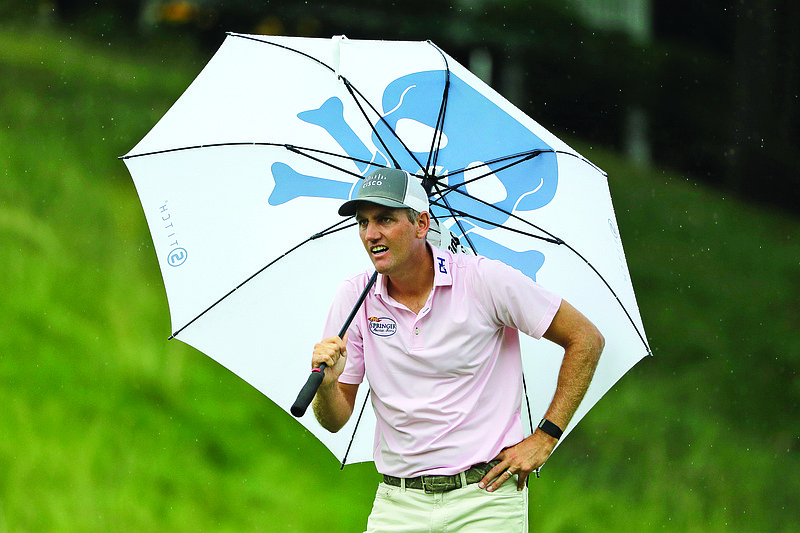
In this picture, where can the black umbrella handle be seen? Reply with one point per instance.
(313, 382)
(308, 391)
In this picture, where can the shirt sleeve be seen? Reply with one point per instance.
(346, 297)
(513, 299)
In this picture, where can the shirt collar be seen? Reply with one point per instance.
(442, 264)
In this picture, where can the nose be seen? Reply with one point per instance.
(371, 232)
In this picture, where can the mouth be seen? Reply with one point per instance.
(378, 250)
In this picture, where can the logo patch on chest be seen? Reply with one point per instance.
(383, 326)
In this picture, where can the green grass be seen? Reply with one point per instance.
(106, 426)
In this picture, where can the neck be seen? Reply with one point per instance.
(412, 288)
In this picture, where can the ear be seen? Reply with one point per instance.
(423, 224)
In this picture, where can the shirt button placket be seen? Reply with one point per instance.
(416, 337)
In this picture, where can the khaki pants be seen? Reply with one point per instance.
(465, 510)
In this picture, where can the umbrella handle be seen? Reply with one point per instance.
(308, 391)
(313, 382)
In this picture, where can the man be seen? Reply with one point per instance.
(437, 337)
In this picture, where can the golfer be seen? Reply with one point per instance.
(438, 339)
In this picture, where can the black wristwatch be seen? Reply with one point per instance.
(550, 428)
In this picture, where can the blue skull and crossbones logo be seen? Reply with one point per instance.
(478, 133)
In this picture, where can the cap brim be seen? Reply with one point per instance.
(349, 208)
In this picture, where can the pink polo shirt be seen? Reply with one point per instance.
(446, 384)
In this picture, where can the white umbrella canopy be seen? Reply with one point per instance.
(241, 179)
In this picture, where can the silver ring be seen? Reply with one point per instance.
(509, 473)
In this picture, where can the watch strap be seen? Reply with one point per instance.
(550, 428)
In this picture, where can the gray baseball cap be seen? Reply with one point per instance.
(389, 187)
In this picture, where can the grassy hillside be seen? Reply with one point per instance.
(106, 426)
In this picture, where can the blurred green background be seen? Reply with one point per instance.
(106, 426)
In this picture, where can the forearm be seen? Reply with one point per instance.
(332, 407)
(576, 373)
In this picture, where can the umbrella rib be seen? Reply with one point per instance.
(433, 155)
(457, 213)
(352, 90)
(353, 436)
(328, 231)
(199, 146)
(524, 156)
(299, 150)
(527, 402)
(527, 155)
(613, 292)
(251, 38)
(453, 214)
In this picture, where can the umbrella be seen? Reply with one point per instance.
(241, 179)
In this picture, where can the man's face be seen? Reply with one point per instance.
(391, 240)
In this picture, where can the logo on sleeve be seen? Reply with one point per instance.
(383, 326)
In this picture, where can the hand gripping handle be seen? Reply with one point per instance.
(313, 382)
